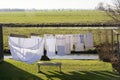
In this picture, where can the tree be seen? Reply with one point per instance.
(114, 10)
(100, 6)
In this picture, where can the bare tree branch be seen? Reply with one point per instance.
(114, 11)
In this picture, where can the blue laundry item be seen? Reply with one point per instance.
(81, 38)
(61, 50)
(88, 41)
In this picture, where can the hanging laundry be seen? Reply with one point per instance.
(74, 39)
(81, 44)
(88, 41)
(57, 37)
(68, 44)
(26, 49)
(47, 36)
(72, 43)
(61, 50)
(50, 46)
(60, 44)
(82, 38)
(78, 42)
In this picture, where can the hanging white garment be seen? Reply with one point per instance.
(57, 40)
(50, 46)
(13, 41)
(47, 36)
(72, 43)
(68, 44)
(79, 42)
(88, 41)
(74, 39)
(60, 45)
(26, 49)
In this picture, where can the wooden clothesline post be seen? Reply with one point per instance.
(1, 44)
(114, 32)
(112, 36)
(118, 42)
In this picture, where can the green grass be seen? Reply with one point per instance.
(80, 16)
(76, 16)
(71, 70)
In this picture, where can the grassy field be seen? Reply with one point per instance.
(77, 16)
(98, 37)
(71, 70)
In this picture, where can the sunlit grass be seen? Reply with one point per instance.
(80, 16)
(71, 70)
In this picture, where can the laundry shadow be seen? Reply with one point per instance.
(11, 72)
(82, 75)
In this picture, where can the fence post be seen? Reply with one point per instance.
(112, 36)
(118, 42)
(1, 44)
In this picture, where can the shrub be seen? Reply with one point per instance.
(104, 52)
(115, 60)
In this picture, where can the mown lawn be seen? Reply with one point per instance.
(71, 70)
(75, 16)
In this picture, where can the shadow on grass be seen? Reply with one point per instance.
(10, 72)
(82, 75)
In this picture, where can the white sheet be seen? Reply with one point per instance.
(88, 40)
(50, 46)
(68, 44)
(60, 44)
(47, 36)
(81, 36)
(78, 42)
(26, 49)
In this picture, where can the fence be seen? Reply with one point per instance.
(116, 41)
(108, 38)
